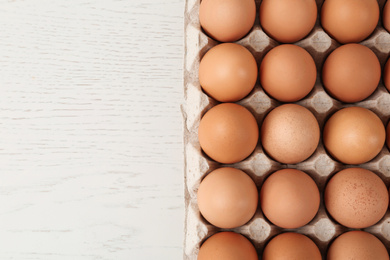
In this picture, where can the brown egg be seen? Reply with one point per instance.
(357, 245)
(386, 16)
(349, 21)
(228, 72)
(290, 133)
(288, 20)
(289, 198)
(351, 73)
(227, 20)
(227, 198)
(386, 74)
(356, 198)
(228, 133)
(298, 70)
(388, 135)
(354, 135)
(227, 246)
(292, 246)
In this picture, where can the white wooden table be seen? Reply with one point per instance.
(91, 153)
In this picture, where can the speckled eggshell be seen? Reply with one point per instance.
(290, 133)
(356, 198)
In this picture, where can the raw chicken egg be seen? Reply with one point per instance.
(356, 198)
(357, 245)
(227, 20)
(288, 21)
(298, 70)
(349, 21)
(388, 135)
(228, 72)
(351, 73)
(289, 198)
(290, 133)
(227, 246)
(228, 133)
(291, 246)
(386, 16)
(227, 198)
(354, 135)
(386, 74)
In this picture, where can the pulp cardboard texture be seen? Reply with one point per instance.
(320, 166)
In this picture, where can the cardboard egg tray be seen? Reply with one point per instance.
(320, 166)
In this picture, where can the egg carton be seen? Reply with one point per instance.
(320, 166)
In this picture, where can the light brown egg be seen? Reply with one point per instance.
(227, 246)
(351, 73)
(227, 198)
(354, 135)
(357, 245)
(228, 133)
(298, 70)
(388, 135)
(227, 20)
(228, 72)
(288, 21)
(386, 74)
(356, 198)
(289, 198)
(291, 246)
(386, 16)
(290, 133)
(349, 21)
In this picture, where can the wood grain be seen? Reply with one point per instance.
(91, 161)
